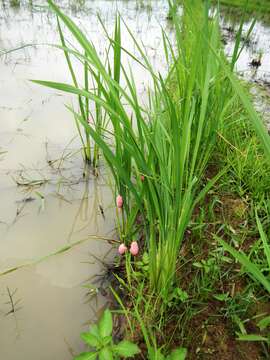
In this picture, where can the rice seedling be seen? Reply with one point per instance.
(96, 118)
(158, 153)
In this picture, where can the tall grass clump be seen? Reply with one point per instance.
(157, 153)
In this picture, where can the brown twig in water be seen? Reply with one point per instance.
(11, 302)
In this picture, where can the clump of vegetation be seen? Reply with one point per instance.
(251, 5)
(174, 141)
(184, 191)
(100, 338)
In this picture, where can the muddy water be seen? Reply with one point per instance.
(257, 47)
(46, 203)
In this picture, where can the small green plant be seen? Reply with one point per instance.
(99, 337)
(208, 274)
(178, 354)
(209, 265)
(143, 266)
(176, 296)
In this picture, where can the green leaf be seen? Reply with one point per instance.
(112, 159)
(250, 267)
(264, 323)
(106, 354)
(264, 239)
(105, 325)
(240, 323)
(86, 356)
(106, 340)
(126, 349)
(90, 339)
(178, 354)
(221, 297)
(181, 294)
(145, 258)
(155, 354)
(251, 337)
(197, 264)
(94, 331)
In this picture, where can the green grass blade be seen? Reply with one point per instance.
(251, 269)
(264, 239)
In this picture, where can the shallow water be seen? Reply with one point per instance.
(258, 47)
(54, 206)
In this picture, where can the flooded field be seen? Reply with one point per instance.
(55, 216)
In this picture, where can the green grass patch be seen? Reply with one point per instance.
(251, 5)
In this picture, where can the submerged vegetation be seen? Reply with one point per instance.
(191, 174)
